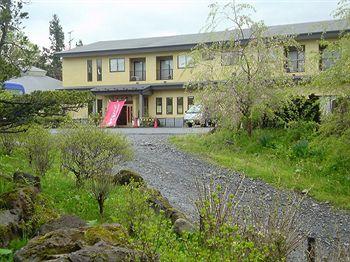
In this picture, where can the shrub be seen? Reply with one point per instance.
(88, 151)
(266, 140)
(38, 149)
(8, 142)
(101, 186)
(301, 130)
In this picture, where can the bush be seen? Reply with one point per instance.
(88, 151)
(298, 130)
(38, 149)
(266, 140)
(8, 142)
(295, 109)
(101, 186)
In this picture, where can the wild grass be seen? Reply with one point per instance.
(283, 158)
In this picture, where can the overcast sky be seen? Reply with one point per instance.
(97, 20)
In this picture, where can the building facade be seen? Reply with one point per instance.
(150, 73)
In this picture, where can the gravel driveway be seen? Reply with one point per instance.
(173, 172)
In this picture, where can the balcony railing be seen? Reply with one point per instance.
(137, 75)
(165, 74)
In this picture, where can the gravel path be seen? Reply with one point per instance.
(173, 172)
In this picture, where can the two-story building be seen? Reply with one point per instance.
(150, 73)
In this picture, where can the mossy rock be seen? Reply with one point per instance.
(113, 234)
(63, 222)
(125, 176)
(25, 179)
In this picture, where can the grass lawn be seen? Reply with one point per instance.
(276, 157)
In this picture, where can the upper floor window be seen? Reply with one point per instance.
(295, 59)
(116, 65)
(184, 61)
(230, 58)
(328, 57)
(165, 68)
(99, 69)
(89, 70)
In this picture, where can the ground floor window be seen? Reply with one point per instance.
(99, 106)
(159, 108)
(190, 101)
(145, 106)
(180, 105)
(169, 105)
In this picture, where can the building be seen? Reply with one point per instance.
(33, 79)
(150, 72)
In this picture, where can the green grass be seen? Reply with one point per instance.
(279, 158)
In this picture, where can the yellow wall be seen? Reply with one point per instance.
(74, 70)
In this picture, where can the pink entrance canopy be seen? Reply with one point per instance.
(113, 111)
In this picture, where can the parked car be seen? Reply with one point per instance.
(196, 115)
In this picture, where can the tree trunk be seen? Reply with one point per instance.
(100, 204)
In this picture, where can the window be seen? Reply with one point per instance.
(190, 102)
(169, 105)
(159, 106)
(99, 69)
(208, 55)
(145, 105)
(230, 58)
(180, 105)
(184, 61)
(99, 106)
(328, 58)
(89, 70)
(116, 65)
(295, 59)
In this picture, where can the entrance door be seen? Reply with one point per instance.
(122, 119)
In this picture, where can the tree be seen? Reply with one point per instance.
(254, 71)
(89, 151)
(17, 111)
(101, 186)
(48, 60)
(16, 52)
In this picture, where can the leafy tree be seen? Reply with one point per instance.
(16, 112)
(255, 67)
(16, 52)
(89, 151)
(101, 186)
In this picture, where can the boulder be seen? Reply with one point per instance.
(20, 201)
(26, 179)
(9, 226)
(102, 251)
(182, 226)
(124, 177)
(59, 244)
(65, 221)
(158, 202)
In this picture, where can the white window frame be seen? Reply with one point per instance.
(117, 64)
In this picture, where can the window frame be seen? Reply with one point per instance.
(188, 99)
(236, 56)
(297, 60)
(89, 63)
(116, 58)
(161, 105)
(177, 105)
(172, 105)
(186, 61)
(331, 58)
(99, 79)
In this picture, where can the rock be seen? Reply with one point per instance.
(20, 200)
(65, 221)
(58, 244)
(9, 227)
(102, 251)
(26, 179)
(158, 202)
(124, 177)
(182, 226)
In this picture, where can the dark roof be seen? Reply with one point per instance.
(183, 42)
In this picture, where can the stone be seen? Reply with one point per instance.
(124, 177)
(26, 179)
(9, 226)
(182, 226)
(65, 221)
(57, 245)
